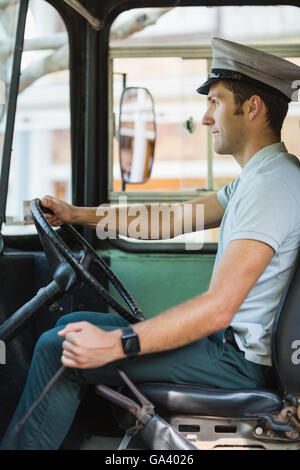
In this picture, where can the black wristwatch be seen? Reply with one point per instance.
(130, 342)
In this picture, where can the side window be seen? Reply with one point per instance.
(168, 52)
(179, 153)
(41, 151)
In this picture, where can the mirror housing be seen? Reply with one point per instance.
(137, 135)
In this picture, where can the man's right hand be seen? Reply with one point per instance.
(63, 213)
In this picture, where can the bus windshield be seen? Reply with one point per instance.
(9, 12)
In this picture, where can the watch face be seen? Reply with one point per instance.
(132, 345)
(130, 341)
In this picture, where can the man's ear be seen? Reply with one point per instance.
(255, 106)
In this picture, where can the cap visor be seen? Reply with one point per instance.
(205, 87)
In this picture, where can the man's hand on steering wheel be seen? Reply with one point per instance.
(63, 213)
(70, 268)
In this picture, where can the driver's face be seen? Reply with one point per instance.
(228, 129)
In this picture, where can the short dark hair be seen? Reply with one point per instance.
(277, 107)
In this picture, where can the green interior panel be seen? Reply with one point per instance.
(159, 281)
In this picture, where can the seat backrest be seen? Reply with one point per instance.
(286, 336)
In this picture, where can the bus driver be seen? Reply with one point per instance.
(222, 337)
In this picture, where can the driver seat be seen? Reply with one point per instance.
(268, 419)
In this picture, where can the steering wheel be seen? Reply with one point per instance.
(75, 269)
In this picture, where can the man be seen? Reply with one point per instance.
(222, 337)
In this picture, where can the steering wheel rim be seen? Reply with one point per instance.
(64, 253)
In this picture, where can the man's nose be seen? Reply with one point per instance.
(207, 119)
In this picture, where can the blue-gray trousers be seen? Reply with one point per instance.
(209, 362)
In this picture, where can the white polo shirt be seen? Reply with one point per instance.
(263, 204)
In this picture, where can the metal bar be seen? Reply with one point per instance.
(91, 156)
(143, 400)
(11, 110)
(94, 22)
(194, 51)
(117, 398)
(111, 125)
(210, 155)
(20, 424)
(167, 196)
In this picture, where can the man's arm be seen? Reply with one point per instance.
(213, 210)
(91, 216)
(241, 265)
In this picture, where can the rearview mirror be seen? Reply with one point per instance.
(137, 134)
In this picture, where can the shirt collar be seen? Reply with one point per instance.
(261, 156)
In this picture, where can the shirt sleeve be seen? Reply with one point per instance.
(225, 193)
(267, 211)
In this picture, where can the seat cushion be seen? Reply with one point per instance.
(193, 400)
